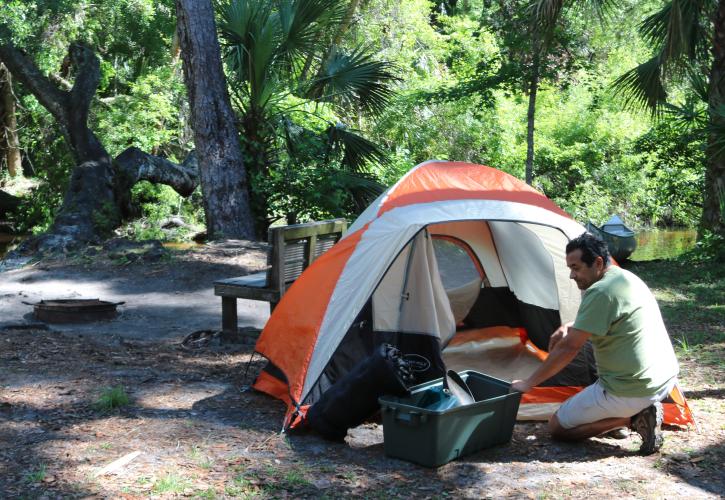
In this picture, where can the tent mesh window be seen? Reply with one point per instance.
(456, 263)
(460, 272)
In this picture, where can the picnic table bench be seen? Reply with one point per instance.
(293, 248)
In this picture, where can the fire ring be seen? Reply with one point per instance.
(74, 310)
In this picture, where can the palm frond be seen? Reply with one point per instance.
(676, 29)
(357, 152)
(353, 79)
(362, 186)
(304, 24)
(546, 12)
(698, 83)
(642, 87)
(241, 24)
(688, 117)
(251, 36)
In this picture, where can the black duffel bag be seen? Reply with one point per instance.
(354, 398)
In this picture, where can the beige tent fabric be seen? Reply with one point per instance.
(386, 298)
(463, 298)
(424, 306)
(539, 411)
(527, 265)
(501, 357)
(555, 243)
(421, 304)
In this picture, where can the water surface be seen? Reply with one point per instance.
(663, 243)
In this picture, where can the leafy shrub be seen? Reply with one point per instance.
(710, 247)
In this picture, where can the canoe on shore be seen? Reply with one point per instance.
(619, 238)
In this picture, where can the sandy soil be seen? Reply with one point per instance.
(193, 429)
(165, 296)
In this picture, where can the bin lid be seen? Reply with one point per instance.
(458, 388)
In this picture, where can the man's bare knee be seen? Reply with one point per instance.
(555, 428)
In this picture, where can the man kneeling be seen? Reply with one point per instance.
(635, 361)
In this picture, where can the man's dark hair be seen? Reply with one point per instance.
(591, 247)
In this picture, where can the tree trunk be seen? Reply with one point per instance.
(223, 176)
(9, 143)
(99, 188)
(257, 145)
(341, 30)
(714, 200)
(531, 115)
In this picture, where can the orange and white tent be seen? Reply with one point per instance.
(454, 256)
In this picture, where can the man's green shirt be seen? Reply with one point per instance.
(633, 352)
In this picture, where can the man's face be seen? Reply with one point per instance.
(585, 276)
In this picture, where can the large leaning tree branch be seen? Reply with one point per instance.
(99, 188)
(25, 70)
(69, 108)
(140, 166)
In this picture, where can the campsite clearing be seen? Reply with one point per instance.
(200, 435)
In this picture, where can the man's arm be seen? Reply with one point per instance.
(558, 335)
(570, 341)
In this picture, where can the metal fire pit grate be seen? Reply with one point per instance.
(74, 310)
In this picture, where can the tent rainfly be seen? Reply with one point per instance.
(454, 256)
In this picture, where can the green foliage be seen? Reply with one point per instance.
(37, 210)
(417, 130)
(138, 101)
(294, 85)
(322, 129)
(48, 160)
(37, 475)
(171, 483)
(111, 398)
(444, 111)
(709, 248)
(146, 117)
(675, 178)
(155, 203)
(129, 35)
(680, 43)
(314, 181)
(105, 218)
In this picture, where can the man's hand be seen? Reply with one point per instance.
(520, 386)
(559, 334)
(565, 343)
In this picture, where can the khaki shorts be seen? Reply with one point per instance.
(594, 403)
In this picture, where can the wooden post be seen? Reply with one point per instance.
(229, 315)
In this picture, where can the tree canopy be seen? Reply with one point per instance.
(333, 100)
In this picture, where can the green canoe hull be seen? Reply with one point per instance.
(620, 247)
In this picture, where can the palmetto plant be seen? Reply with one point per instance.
(286, 70)
(680, 37)
(688, 41)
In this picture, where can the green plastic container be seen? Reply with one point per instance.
(435, 437)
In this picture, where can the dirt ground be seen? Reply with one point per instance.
(192, 428)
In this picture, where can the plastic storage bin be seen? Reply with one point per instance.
(435, 437)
